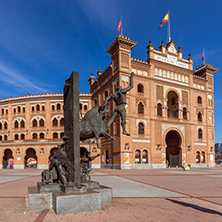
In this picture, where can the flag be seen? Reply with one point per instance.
(203, 55)
(165, 19)
(120, 25)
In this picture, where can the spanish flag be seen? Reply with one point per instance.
(165, 19)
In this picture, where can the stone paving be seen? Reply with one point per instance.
(138, 195)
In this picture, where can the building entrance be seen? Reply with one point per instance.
(173, 150)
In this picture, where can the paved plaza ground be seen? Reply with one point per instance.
(138, 195)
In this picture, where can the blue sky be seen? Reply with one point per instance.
(42, 42)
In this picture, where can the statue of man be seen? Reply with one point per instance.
(119, 97)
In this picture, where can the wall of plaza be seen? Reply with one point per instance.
(32, 126)
(170, 114)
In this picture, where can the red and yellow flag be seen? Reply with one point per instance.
(165, 19)
(120, 25)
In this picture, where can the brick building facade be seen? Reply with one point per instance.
(170, 114)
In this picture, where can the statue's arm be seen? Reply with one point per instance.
(131, 83)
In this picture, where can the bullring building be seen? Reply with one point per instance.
(170, 114)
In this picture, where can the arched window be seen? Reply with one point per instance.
(42, 136)
(43, 108)
(22, 123)
(199, 100)
(23, 109)
(14, 110)
(138, 156)
(62, 122)
(2, 111)
(37, 107)
(197, 157)
(85, 107)
(141, 129)
(34, 123)
(140, 88)
(140, 108)
(53, 107)
(16, 137)
(106, 94)
(22, 136)
(19, 109)
(55, 135)
(202, 157)
(34, 136)
(6, 125)
(0, 138)
(172, 104)
(58, 106)
(55, 122)
(16, 124)
(80, 106)
(184, 113)
(199, 117)
(5, 137)
(0, 126)
(61, 134)
(33, 108)
(41, 122)
(145, 156)
(159, 109)
(200, 134)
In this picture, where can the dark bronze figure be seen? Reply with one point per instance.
(120, 99)
(84, 166)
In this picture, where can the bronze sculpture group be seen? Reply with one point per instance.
(93, 125)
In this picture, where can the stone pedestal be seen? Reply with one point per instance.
(68, 199)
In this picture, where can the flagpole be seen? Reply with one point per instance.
(121, 26)
(169, 38)
(204, 56)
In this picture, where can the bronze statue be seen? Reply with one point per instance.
(120, 99)
(84, 166)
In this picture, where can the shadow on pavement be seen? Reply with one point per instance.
(196, 207)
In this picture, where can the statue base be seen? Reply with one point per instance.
(69, 199)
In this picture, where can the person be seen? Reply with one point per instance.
(119, 97)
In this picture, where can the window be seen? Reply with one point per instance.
(6, 125)
(23, 109)
(19, 109)
(106, 94)
(85, 107)
(55, 122)
(22, 123)
(2, 111)
(53, 107)
(140, 108)
(6, 111)
(43, 108)
(42, 136)
(138, 156)
(34, 123)
(22, 136)
(199, 117)
(17, 151)
(159, 109)
(199, 100)
(95, 101)
(200, 134)
(61, 134)
(62, 122)
(34, 136)
(55, 135)
(5, 137)
(42, 150)
(58, 106)
(37, 107)
(0, 138)
(14, 110)
(41, 122)
(140, 88)
(184, 113)
(16, 137)
(141, 129)
(0, 126)
(80, 106)
(33, 108)
(16, 124)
